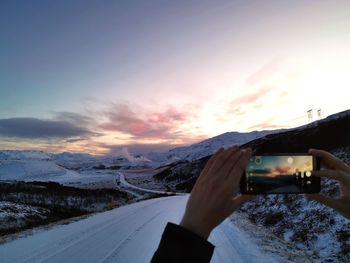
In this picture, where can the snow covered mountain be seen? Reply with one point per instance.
(329, 134)
(64, 167)
(33, 166)
(211, 145)
(20, 155)
(208, 146)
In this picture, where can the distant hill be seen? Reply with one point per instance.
(208, 146)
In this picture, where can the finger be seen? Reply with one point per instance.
(328, 201)
(231, 160)
(211, 160)
(333, 174)
(237, 170)
(221, 160)
(240, 200)
(329, 160)
(209, 165)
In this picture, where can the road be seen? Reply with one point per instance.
(125, 184)
(127, 234)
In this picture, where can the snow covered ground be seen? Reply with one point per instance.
(15, 215)
(127, 234)
(65, 168)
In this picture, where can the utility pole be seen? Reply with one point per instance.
(309, 115)
(319, 116)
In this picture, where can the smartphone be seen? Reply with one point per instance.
(281, 174)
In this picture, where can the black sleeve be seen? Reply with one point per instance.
(181, 245)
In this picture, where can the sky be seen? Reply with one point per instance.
(95, 76)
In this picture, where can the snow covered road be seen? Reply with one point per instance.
(127, 234)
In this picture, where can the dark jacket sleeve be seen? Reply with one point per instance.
(181, 245)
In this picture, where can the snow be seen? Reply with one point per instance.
(124, 183)
(15, 215)
(20, 155)
(207, 147)
(67, 168)
(127, 234)
(29, 168)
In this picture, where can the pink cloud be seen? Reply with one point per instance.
(252, 97)
(264, 72)
(146, 124)
(238, 106)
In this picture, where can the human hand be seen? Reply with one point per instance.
(214, 196)
(338, 170)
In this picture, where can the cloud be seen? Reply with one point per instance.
(138, 148)
(33, 128)
(252, 97)
(76, 118)
(265, 126)
(143, 124)
(252, 101)
(140, 159)
(266, 71)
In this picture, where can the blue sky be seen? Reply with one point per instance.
(160, 73)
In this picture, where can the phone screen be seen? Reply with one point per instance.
(273, 174)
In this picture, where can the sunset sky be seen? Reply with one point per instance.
(94, 76)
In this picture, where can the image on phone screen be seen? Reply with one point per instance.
(268, 174)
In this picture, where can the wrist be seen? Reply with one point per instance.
(199, 230)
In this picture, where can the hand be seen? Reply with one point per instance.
(335, 169)
(214, 196)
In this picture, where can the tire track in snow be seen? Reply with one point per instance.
(112, 255)
(43, 251)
